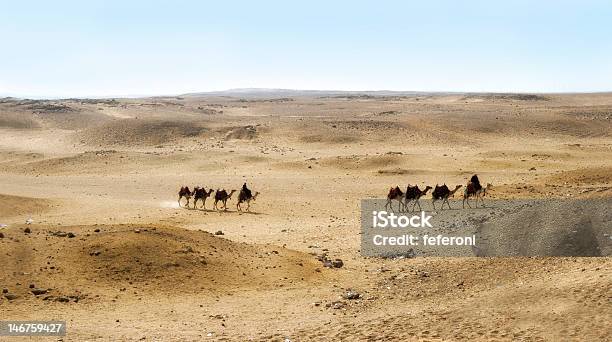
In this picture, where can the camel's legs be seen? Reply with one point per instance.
(390, 204)
(433, 203)
(248, 206)
(447, 203)
(415, 203)
(179, 201)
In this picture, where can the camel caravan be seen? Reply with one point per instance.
(221, 196)
(413, 194)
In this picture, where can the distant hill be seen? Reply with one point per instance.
(271, 93)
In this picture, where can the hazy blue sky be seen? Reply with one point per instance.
(85, 48)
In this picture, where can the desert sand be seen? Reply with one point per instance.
(118, 259)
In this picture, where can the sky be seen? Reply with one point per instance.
(132, 48)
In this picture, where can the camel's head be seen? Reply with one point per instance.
(487, 188)
(231, 193)
(427, 188)
(255, 195)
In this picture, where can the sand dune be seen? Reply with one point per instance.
(152, 259)
(139, 132)
(19, 206)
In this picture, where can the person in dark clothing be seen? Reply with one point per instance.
(246, 191)
(476, 182)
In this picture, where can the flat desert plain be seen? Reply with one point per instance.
(107, 248)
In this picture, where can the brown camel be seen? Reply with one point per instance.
(474, 189)
(443, 193)
(244, 197)
(223, 196)
(200, 194)
(184, 192)
(413, 193)
(395, 194)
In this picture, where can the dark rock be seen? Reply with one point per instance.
(350, 294)
(10, 296)
(62, 299)
(97, 230)
(1, 235)
(218, 232)
(327, 262)
(94, 253)
(38, 291)
(32, 286)
(4, 290)
(71, 235)
(27, 230)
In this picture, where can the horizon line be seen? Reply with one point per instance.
(248, 90)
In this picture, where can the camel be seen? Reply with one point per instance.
(474, 189)
(394, 194)
(443, 193)
(201, 194)
(223, 196)
(413, 193)
(243, 197)
(184, 192)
